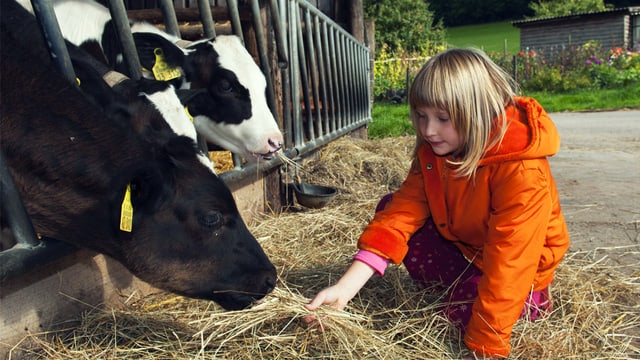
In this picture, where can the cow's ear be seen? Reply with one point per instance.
(152, 47)
(148, 189)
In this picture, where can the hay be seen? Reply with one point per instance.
(596, 311)
(222, 161)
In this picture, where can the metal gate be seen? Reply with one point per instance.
(317, 86)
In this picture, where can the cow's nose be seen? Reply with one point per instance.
(269, 281)
(275, 143)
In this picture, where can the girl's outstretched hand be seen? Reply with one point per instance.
(338, 295)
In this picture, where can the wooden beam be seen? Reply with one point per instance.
(154, 16)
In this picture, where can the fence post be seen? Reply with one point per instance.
(514, 62)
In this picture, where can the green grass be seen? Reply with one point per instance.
(391, 120)
(489, 37)
(590, 100)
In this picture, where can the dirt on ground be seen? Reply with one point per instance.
(598, 175)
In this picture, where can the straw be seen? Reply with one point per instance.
(596, 307)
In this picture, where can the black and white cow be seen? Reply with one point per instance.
(232, 113)
(115, 178)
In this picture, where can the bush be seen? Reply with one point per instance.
(561, 70)
(390, 71)
(566, 69)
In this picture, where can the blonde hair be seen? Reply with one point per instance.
(474, 91)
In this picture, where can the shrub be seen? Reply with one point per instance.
(566, 69)
(390, 71)
(560, 70)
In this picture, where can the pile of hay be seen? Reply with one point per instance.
(596, 307)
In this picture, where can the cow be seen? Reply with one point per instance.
(116, 179)
(159, 94)
(232, 113)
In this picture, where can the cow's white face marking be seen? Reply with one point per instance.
(169, 106)
(258, 135)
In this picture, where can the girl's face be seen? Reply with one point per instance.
(436, 128)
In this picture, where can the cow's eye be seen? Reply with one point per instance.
(225, 86)
(211, 219)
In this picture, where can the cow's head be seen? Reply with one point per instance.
(187, 235)
(233, 112)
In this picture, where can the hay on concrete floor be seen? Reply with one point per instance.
(596, 306)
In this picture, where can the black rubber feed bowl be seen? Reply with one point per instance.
(313, 196)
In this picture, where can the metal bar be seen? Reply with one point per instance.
(286, 81)
(123, 30)
(361, 73)
(350, 80)
(313, 67)
(366, 52)
(304, 81)
(336, 80)
(331, 102)
(236, 28)
(342, 83)
(43, 10)
(14, 211)
(283, 61)
(348, 85)
(19, 260)
(207, 19)
(262, 53)
(170, 19)
(294, 70)
(322, 76)
(234, 15)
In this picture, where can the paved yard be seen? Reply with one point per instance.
(598, 176)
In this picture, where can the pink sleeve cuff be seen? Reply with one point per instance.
(377, 262)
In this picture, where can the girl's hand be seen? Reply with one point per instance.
(338, 295)
(333, 296)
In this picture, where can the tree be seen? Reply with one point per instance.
(547, 8)
(404, 25)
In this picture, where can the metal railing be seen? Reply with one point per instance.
(325, 87)
(325, 94)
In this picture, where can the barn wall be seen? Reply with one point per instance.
(54, 296)
(610, 29)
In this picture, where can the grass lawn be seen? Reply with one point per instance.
(590, 100)
(489, 37)
(393, 119)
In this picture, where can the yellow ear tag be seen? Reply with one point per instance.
(161, 70)
(186, 109)
(126, 211)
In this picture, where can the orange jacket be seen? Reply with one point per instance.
(507, 221)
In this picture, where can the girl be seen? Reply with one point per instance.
(479, 212)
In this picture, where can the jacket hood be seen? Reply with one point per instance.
(530, 134)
